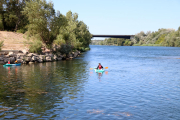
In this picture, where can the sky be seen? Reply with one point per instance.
(123, 17)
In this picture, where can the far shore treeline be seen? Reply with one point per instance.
(39, 21)
(162, 37)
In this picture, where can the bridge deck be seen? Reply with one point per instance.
(115, 36)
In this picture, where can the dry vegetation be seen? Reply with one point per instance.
(13, 40)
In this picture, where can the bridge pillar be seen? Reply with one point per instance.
(132, 37)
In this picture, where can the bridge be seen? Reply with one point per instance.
(115, 36)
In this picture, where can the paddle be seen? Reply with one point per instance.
(95, 68)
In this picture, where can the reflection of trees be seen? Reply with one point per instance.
(40, 86)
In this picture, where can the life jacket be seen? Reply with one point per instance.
(100, 67)
(8, 62)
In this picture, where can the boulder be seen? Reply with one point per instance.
(27, 59)
(49, 59)
(19, 60)
(10, 53)
(1, 58)
(20, 56)
(6, 60)
(30, 55)
(59, 58)
(34, 58)
(55, 57)
(51, 55)
(75, 54)
(6, 56)
(25, 51)
(1, 62)
(40, 60)
(12, 60)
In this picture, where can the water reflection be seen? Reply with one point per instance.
(36, 88)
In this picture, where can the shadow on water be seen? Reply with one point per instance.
(32, 90)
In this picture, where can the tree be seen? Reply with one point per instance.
(40, 15)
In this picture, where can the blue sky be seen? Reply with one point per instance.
(123, 17)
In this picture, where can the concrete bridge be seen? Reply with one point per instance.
(115, 36)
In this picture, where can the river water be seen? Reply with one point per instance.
(141, 83)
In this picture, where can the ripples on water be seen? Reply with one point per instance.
(140, 83)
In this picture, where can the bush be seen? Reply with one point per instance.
(65, 49)
(35, 47)
(21, 31)
(1, 44)
(82, 49)
(86, 49)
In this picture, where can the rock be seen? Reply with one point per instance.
(1, 58)
(1, 62)
(6, 60)
(51, 55)
(31, 62)
(6, 56)
(19, 60)
(55, 57)
(40, 60)
(10, 53)
(48, 59)
(34, 58)
(30, 55)
(25, 51)
(12, 60)
(27, 59)
(71, 57)
(75, 54)
(59, 58)
(20, 56)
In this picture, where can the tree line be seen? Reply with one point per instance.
(38, 19)
(162, 37)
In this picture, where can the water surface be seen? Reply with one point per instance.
(140, 83)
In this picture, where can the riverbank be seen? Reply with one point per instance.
(28, 58)
(15, 48)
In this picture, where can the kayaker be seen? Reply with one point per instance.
(9, 62)
(99, 66)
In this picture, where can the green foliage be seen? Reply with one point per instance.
(35, 47)
(21, 31)
(82, 49)
(160, 39)
(1, 44)
(39, 14)
(86, 49)
(38, 19)
(65, 49)
(1, 23)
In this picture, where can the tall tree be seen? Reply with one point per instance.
(40, 15)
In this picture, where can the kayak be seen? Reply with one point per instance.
(19, 64)
(97, 70)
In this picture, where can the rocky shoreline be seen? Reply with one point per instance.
(28, 58)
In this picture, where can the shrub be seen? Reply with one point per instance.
(65, 49)
(82, 49)
(35, 47)
(1, 44)
(86, 49)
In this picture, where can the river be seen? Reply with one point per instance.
(141, 83)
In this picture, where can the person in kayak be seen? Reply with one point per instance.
(9, 62)
(99, 66)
